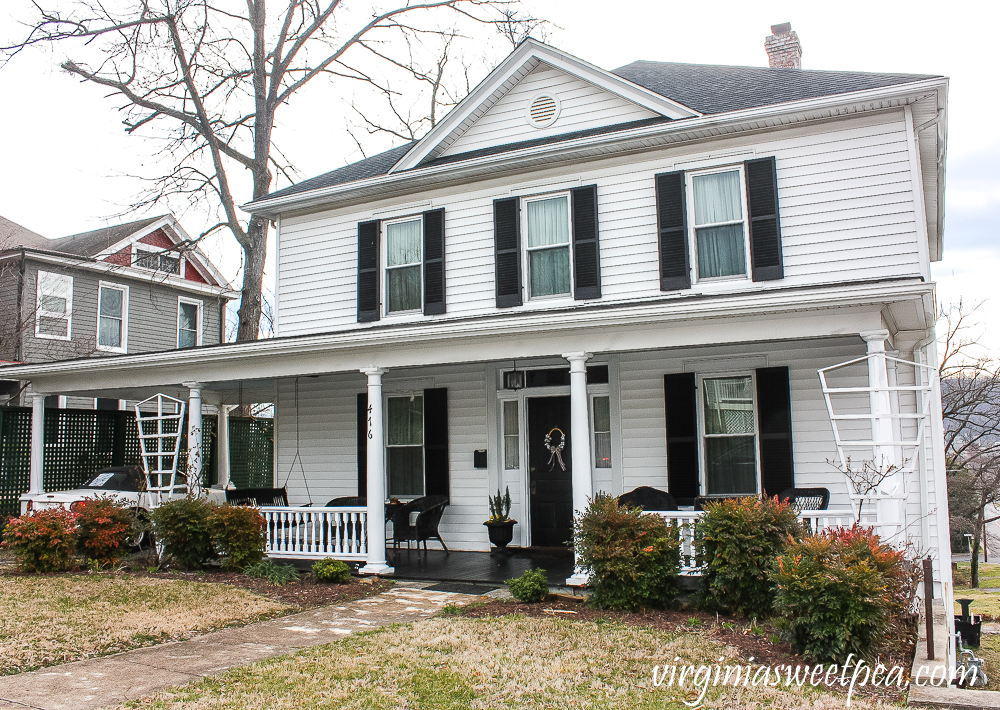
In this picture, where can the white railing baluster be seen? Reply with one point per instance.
(314, 533)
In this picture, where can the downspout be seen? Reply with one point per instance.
(19, 339)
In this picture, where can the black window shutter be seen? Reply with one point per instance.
(682, 436)
(671, 221)
(363, 444)
(434, 262)
(774, 417)
(765, 228)
(436, 442)
(507, 240)
(368, 271)
(586, 247)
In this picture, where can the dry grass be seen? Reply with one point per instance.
(986, 603)
(54, 619)
(507, 662)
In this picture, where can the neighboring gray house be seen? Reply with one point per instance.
(130, 288)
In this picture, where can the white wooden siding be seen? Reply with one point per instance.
(583, 106)
(328, 434)
(846, 206)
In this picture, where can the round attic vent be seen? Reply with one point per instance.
(543, 111)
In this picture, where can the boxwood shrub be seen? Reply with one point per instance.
(633, 558)
(741, 538)
(530, 587)
(181, 526)
(237, 531)
(331, 570)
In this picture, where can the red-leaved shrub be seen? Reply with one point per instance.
(105, 527)
(43, 541)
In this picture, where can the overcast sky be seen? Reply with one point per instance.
(67, 163)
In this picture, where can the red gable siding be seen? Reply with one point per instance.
(191, 273)
(121, 258)
(158, 239)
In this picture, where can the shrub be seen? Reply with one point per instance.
(43, 541)
(530, 587)
(741, 538)
(839, 592)
(274, 573)
(634, 558)
(238, 533)
(105, 528)
(181, 526)
(330, 570)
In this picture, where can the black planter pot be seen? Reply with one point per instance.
(501, 533)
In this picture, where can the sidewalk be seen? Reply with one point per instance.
(111, 680)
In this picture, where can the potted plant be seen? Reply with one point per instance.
(500, 524)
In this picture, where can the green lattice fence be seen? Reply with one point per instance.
(251, 452)
(78, 443)
(15, 457)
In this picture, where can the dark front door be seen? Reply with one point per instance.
(550, 481)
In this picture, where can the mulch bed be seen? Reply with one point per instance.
(738, 633)
(305, 593)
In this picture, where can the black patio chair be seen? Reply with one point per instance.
(648, 498)
(429, 510)
(347, 501)
(806, 498)
(355, 531)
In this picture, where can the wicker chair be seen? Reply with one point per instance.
(429, 510)
(806, 498)
(648, 498)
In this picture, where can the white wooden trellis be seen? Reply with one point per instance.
(160, 443)
(906, 444)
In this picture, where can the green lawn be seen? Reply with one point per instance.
(49, 619)
(515, 662)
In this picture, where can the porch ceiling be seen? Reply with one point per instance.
(767, 315)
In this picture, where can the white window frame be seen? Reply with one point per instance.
(384, 256)
(201, 315)
(40, 313)
(423, 443)
(689, 177)
(526, 263)
(702, 433)
(123, 348)
(147, 249)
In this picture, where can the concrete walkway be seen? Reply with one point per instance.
(111, 680)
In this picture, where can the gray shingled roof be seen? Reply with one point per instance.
(13, 235)
(84, 244)
(706, 88)
(712, 89)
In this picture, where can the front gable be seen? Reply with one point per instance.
(536, 93)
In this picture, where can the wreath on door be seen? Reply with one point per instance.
(555, 451)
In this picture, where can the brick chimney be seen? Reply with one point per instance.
(783, 48)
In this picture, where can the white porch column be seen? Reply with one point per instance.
(890, 512)
(376, 563)
(223, 454)
(194, 460)
(579, 440)
(37, 443)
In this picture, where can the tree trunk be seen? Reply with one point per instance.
(254, 252)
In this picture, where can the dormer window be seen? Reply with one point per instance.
(156, 261)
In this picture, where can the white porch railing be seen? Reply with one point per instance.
(315, 533)
(691, 564)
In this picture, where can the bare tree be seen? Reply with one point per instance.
(207, 79)
(970, 394)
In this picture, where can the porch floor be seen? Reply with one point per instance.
(473, 567)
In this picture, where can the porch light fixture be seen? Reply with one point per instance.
(513, 380)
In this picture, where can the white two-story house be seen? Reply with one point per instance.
(586, 281)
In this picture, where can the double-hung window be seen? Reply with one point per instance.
(405, 444)
(730, 435)
(54, 306)
(403, 264)
(719, 225)
(547, 246)
(602, 431)
(112, 318)
(189, 330)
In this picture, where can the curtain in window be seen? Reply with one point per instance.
(187, 329)
(402, 248)
(549, 271)
(721, 248)
(511, 441)
(110, 326)
(405, 443)
(548, 222)
(602, 432)
(548, 225)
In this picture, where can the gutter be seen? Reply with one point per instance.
(272, 207)
(19, 340)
